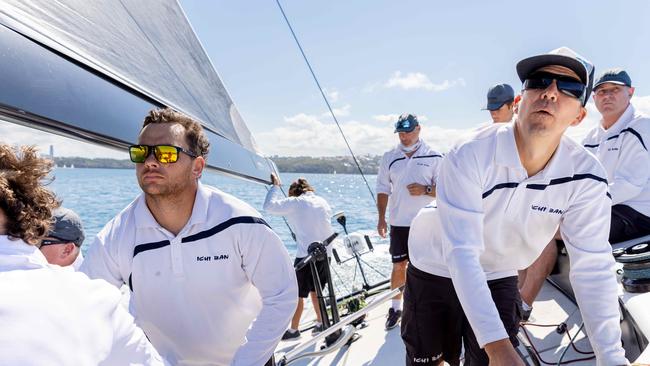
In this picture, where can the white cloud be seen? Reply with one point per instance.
(338, 112)
(332, 95)
(18, 135)
(418, 80)
(305, 134)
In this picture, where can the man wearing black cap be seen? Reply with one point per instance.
(620, 142)
(501, 103)
(62, 244)
(407, 174)
(501, 196)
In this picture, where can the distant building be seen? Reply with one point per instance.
(51, 151)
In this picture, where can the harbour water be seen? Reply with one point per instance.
(97, 195)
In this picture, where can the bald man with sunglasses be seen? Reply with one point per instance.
(502, 195)
(210, 282)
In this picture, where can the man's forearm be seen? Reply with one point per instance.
(382, 203)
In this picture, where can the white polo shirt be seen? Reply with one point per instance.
(51, 315)
(220, 292)
(492, 220)
(396, 171)
(623, 151)
(308, 215)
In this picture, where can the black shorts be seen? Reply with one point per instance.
(505, 295)
(431, 320)
(627, 223)
(399, 243)
(305, 279)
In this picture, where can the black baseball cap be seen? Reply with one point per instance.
(562, 56)
(614, 76)
(67, 226)
(499, 95)
(406, 123)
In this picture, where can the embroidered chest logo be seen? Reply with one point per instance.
(423, 164)
(612, 149)
(546, 209)
(210, 258)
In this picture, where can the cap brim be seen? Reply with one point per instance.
(529, 65)
(611, 82)
(493, 106)
(403, 130)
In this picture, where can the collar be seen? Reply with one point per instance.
(506, 147)
(18, 255)
(507, 155)
(620, 123)
(144, 218)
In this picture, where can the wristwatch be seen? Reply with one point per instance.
(429, 189)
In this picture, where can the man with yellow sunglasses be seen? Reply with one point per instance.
(210, 282)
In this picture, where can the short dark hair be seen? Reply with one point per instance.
(196, 139)
(299, 187)
(24, 200)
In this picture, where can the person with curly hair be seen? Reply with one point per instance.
(51, 315)
(309, 215)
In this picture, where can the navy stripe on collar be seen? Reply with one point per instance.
(427, 156)
(203, 234)
(630, 130)
(563, 180)
(500, 186)
(541, 187)
(394, 161)
(223, 226)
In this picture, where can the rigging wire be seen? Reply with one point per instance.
(311, 70)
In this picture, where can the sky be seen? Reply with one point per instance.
(377, 59)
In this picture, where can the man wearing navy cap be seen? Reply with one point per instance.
(62, 245)
(502, 194)
(620, 142)
(407, 174)
(501, 103)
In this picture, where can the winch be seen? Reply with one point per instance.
(636, 267)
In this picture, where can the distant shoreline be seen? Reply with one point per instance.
(286, 164)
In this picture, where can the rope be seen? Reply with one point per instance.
(311, 70)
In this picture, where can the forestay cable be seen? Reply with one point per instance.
(322, 93)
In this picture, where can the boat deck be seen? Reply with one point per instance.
(552, 308)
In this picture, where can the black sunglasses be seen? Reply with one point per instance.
(45, 242)
(565, 84)
(164, 153)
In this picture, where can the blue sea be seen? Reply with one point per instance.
(99, 194)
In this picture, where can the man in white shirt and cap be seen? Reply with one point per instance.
(620, 142)
(406, 182)
(210, 282)
(502, 195)
(501, 103)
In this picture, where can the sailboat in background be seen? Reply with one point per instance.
(90, 70)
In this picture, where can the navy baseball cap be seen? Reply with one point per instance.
(67, 226)
(562, 56)
(614, 76)
(406, 123)
(499, 95)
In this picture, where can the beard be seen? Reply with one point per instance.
(169, 188)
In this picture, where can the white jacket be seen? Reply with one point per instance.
(50, 315)
(220, 292)
(495, 220)
(623, 151)
(308, 215)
